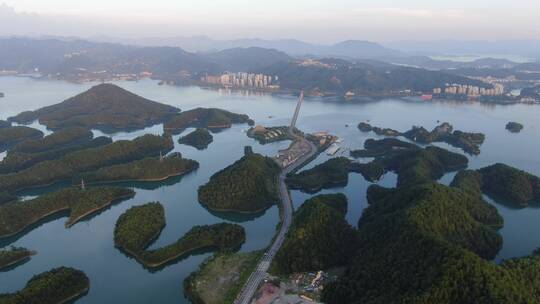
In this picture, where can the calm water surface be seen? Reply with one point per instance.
(116, 278)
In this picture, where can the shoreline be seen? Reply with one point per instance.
(281, 91)
(237, 211)
(5, 236)
(141, 180)
(70, 223)
(19, 260)
(77, 295)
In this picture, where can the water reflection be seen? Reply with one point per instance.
(116, 279)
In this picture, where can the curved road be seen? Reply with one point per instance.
(260, 273)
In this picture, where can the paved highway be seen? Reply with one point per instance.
(260, 273)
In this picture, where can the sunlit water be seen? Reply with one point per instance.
(116, 278)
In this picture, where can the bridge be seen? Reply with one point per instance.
(261, 271)
(297, 111)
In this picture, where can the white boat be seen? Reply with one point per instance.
(333, 149)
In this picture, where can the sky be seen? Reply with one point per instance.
(321, 21)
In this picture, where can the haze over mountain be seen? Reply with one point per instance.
(455, 27)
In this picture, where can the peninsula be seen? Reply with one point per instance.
(148, 169)
(319, 238)
(17, 161)
(16, 217)
(11, 136)
(14, 256)
(504, 183)
(65, 168)
(138, 227)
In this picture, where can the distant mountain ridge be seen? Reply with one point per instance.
(352, 49)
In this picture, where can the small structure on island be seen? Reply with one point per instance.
(83, 186)
(160, 156)
(258, 129)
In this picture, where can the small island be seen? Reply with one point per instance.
(145, 170)
(468, 142)
(247, 186)
(265, 135)
(212, 119)
(514, 127)
(2, 95)
(11, 136)
(138, 227)
(67, 167)
(56, 286)
(199, 139)
(319, 238)
(15, 217)
(14, 256)
(105, 107)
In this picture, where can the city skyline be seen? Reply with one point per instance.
(317, 21)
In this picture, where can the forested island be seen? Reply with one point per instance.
(413, 164)
(61, 138)
(504, 183)
(56, 286)
(17, 216)
(468, 142)
(421, 242)
(68, 166)
(514, 127)
(13, 256)
(148, 169)
(10, 136)
(433, 256)
(247, 186)
(138, 227)
(319, 238)
(17, 161)
(199, 139)
(105, 107)
(212, 119)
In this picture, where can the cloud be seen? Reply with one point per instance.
(414, 13)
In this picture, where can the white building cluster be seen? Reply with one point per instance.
(470, 90)
(243, 80)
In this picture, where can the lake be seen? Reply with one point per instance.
(116, 278)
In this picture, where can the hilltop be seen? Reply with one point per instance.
(105, 107)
